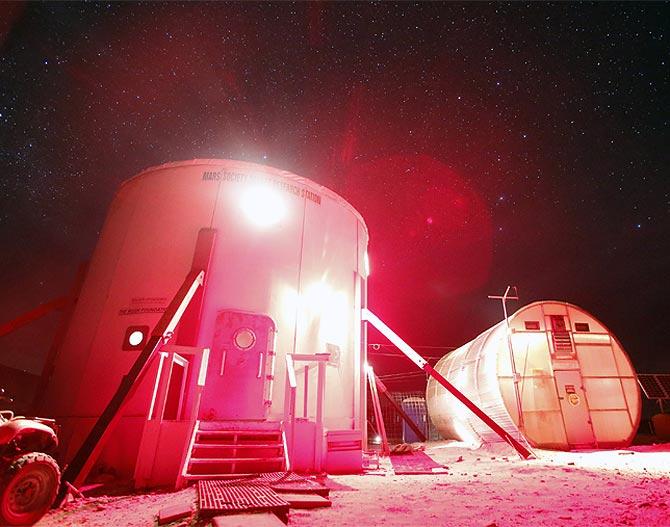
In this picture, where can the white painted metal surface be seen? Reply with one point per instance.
(574, 407)
(286, 248)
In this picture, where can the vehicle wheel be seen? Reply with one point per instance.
(29, 488)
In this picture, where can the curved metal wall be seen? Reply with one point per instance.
(306, 271)
(472, 369)
(576, 386)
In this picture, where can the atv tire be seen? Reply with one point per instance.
(28, 489)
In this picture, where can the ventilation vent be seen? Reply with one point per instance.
(532, 324)
(582, 326)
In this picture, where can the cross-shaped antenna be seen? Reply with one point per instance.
(507, 296)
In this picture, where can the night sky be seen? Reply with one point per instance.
(485, 145)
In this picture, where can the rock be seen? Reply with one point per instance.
(173, 512)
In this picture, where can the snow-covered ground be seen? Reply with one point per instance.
(490, 487)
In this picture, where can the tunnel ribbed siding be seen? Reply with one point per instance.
(577, 386)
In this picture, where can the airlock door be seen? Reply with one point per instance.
(239, 379)
(575, 410)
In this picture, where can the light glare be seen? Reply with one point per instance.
(263, 205)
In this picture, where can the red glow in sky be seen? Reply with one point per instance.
(431, 231)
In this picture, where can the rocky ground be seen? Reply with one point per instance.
(486, 487)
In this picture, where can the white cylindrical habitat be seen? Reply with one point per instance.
(288, 258)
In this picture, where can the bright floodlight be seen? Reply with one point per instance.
(263, 205)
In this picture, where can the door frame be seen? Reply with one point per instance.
(563, 401)
(266, 363)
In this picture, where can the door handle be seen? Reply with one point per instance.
(260, 365)
(223, 361)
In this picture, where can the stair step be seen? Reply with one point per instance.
(237, 445)
(230, 460)
(233, 449)
(239, 433)
(241, 426)
(190, 476)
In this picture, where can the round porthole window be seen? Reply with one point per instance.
(244, 338)
(136, 338)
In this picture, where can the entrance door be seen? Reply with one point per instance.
(240, 365)
(575, 410)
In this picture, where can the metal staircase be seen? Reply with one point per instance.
(220, 449)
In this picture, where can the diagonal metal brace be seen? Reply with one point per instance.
(78, 469)
(422, 363)
(381, 387)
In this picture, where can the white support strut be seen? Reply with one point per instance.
(417, 359)
(422, 363)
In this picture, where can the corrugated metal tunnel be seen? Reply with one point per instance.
(576, 386)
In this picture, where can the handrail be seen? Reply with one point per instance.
(289, 410)
(88, 452)
(197, 360)
(290, 370)
(186, 454)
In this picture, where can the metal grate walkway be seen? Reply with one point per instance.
(280, 482)
(280, 477)
(218, 497)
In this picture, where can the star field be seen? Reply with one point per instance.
(485, 144)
